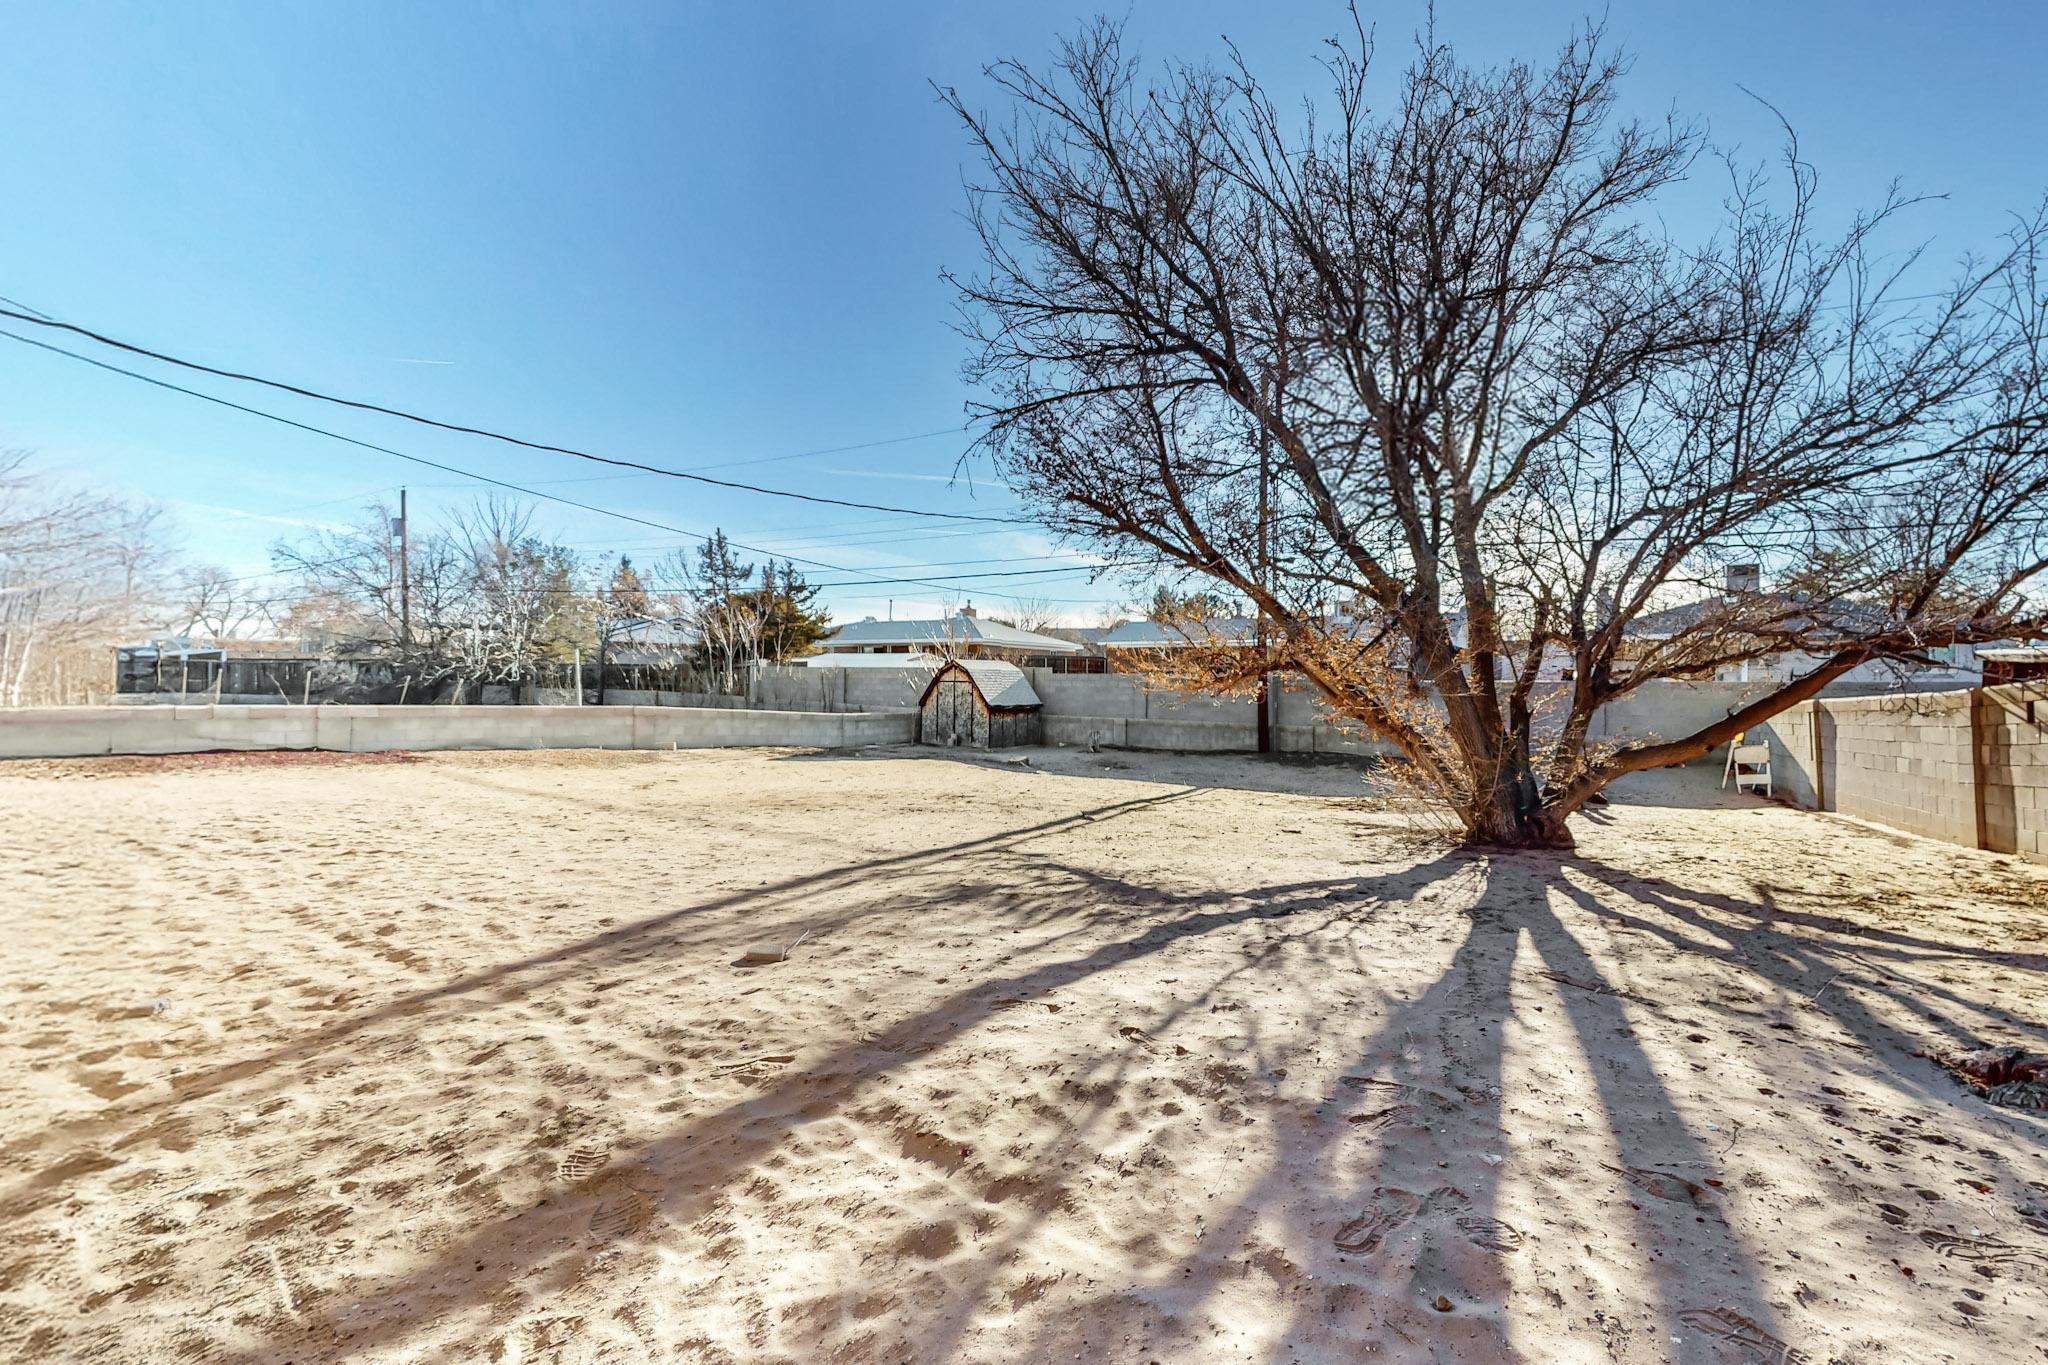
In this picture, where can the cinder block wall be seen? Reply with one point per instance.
(80, 731)
(1790, 735)
(2014, 727)
(783, 688)
(1666, 709)
(1907, 762)
(1902, 761)
(1105, 704)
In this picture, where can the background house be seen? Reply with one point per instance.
(1945, 667)
(1133, 643)
(964, 635)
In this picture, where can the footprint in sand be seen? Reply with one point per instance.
(1490, 1233)
(1663, 1185)
(1982, 1250)
(753, 1065)
(1394, 1209)
(1730, 1326)
(621, 1212)
(1382, 1119)
(106, 1085)
(1365, 1233)
(582, 1163)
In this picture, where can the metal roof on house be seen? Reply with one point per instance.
(954, 629)
(183, 646)
(1000, 684)
(1226, 630)
(2020, 655)
(866, 661)
(644, 641)
(647, 630)
(1759, 612)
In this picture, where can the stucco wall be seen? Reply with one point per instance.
(84, 730)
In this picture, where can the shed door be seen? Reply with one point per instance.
(950, 718)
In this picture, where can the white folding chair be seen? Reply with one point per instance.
(1749, 765)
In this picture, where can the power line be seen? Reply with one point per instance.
(42, 321)
(945, 584)
(1746, 539)
(757, 459)
(166, 384)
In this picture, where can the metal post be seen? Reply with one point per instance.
(1980, 769)
(1265, 675)
(404, 571)
(1820, 758)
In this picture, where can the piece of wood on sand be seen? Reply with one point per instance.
(760, 954)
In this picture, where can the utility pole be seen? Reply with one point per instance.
(1265, 674)
(404, 571)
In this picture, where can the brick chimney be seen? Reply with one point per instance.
(967, 610)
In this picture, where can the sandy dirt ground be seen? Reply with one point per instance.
(1111, 1057)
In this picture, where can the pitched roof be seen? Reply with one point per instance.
(1759, 613)
(919, 660)
(1224, 630)
(1000, 684)
(959, 629)
(641, 641)
(647, 630)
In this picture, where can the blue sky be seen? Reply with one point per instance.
(694, 234)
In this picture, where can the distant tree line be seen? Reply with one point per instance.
(481, 597)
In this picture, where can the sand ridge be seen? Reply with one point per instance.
(1113, 1057)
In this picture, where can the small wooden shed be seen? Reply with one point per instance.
(980, 704)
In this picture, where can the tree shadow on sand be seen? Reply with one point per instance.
(1371, 1210)
(670, 931)
(1399, 1236)
(1402, 1248)
(710, 1155)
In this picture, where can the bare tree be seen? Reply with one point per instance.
(490, 601)
(521, 608)
(78, 571)
(1502, 415)
(1030, 613)
(219, 605)
(714, 594)
(345, 581)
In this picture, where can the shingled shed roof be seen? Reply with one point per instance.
(1001, 685)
